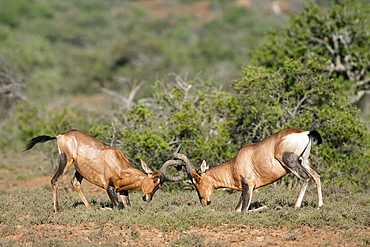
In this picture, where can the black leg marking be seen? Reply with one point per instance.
(112, 193)
(76, 181)
(246, 196)
(292, 161)
(61, 167)
(239, 205)
(78, 176)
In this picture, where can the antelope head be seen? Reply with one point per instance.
(202, 182)
(152, 182)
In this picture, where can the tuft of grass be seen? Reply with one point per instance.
(191, 239)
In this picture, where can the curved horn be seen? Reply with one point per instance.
(165, 166)
(182, 157)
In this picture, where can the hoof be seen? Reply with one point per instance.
(107, 209)
(258, 209)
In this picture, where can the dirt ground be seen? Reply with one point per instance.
(243, 235)
(221, 236)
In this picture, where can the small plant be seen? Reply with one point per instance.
(186, 240)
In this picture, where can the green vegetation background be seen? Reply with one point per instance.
(211, 84)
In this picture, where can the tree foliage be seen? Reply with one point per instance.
(215, 125)
(71, 46)
(339, 36)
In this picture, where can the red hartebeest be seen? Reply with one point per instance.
(104, 166)
(259, 164)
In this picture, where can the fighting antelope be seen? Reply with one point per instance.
(259, 164)
(104, 166)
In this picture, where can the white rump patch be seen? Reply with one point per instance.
(296, 142)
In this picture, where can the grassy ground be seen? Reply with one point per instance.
(175, 218)
(27, 217)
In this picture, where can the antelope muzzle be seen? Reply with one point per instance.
(205, 201)
(147, 198)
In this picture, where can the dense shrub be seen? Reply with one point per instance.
(339, 36)
(214, 125)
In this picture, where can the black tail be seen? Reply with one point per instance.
(314, 134)
(38, 139)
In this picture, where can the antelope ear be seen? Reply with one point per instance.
(204, 167)
(146, 168)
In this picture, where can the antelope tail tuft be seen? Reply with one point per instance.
(38, 139)
(314, 134)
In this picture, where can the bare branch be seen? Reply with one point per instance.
(127, 101)
(324, 42)
(182, 84)
(135, 90)
(362, 82)
(11, 88)
(116, 95)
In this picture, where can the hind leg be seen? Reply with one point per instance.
(298, 202)
(76, 183)
(64, 164)
(292, 162)
(306, 163)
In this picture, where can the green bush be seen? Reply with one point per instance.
(214, 125)
(11, 12)
(97, 44)
(338, 36)
(30, 120)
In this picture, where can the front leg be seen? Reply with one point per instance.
(113, 196)
(76, 183)
(246, 196)
(125, 199)
(239, 205)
